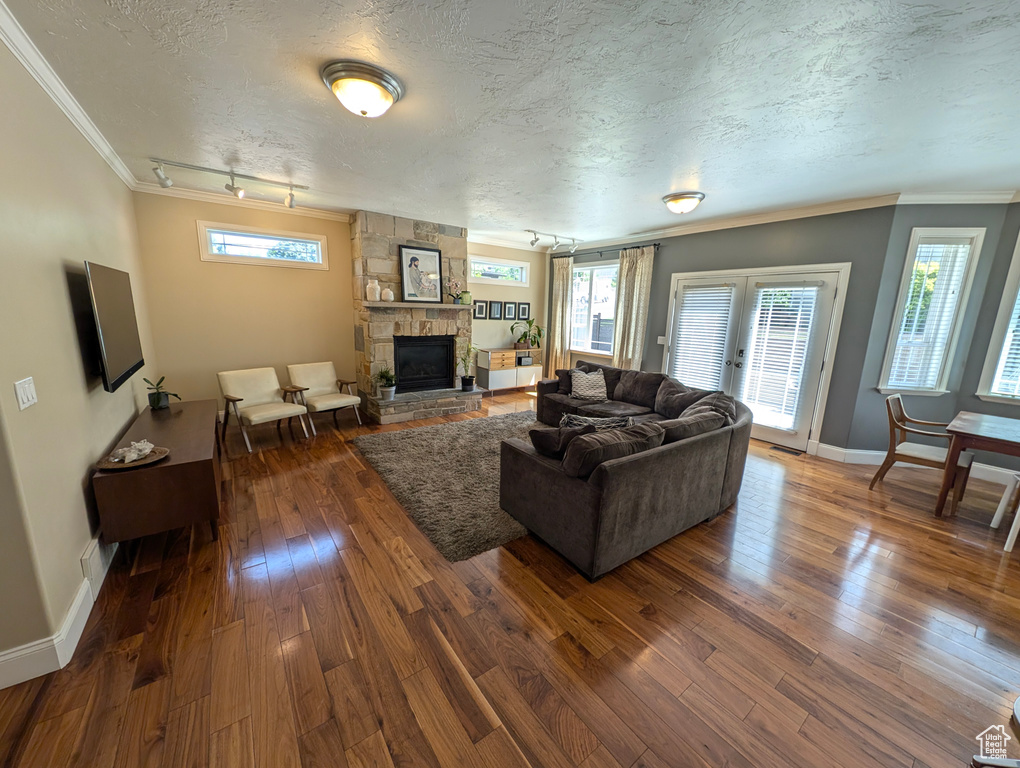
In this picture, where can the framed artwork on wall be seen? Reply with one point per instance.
(481, 309)
(523, 310)
(495, 310)
(509, 310)
(421, 274)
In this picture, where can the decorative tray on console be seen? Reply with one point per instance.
(156, 454)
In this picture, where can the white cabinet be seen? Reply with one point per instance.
(498, 369)
(500, 379)
(529, 375)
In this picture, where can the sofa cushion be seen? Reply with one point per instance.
(672, 398)
(612, 408)
(586, 452)
(717, 402)
(689, 426)
(563, 374)
(612, 374)
(638, 387)
(553, 442)
(588, 386)
(600, 423)
(568, 403)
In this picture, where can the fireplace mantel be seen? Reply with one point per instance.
(414, 305)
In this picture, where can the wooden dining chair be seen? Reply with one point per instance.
(919, 453)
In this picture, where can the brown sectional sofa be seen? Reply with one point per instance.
(630, 504)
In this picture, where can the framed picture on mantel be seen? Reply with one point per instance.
(421, 274)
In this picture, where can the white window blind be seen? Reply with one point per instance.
(1006, 381)
(780, 332)
(700, 335)
(928, 313)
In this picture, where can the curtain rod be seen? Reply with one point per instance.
(611, 250)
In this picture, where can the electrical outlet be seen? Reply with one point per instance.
(25, 390)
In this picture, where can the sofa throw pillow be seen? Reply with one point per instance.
(600, 424)
(563, 374)
(588, 386)
(638, 387)
(553, 442)
(612, 374)
(717, 402)
(673, 398)
(690, 426)
(585, 453)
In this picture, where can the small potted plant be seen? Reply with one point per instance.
(159, 398)
(387, 383)
(467, 356)
(529, 334)
(453, 288)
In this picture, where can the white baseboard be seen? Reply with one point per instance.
(853, 456)
(41, 657)
(96, 562)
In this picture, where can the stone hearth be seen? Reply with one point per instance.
(375, 239)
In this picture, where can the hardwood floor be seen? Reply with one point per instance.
(815, 624)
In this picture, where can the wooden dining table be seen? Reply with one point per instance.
(976, 431)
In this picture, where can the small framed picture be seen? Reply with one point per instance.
(523, 310)
(509, 310)
(495, 310)
(421, 274)
(481, 310)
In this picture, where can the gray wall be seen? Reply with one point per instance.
(875, 242)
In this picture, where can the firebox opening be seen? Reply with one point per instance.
(424, 362)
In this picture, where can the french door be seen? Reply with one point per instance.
(760, 338)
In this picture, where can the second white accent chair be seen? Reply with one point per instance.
(322, 391)
(256, 397)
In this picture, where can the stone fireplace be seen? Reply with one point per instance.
(375, 239)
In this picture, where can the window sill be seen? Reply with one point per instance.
(589, 352)
(918, 392)
(990, 398)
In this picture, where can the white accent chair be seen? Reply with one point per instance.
(322, 391)
(256, 397)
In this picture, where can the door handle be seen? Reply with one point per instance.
(738, 365)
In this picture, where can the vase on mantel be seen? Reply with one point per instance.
(387, 294)
(372, 290)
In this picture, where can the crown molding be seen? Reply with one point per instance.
(221, 199)
(712, 225)
(958, 198)
(19, 43)
(501, 243)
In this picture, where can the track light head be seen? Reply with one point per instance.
(164, 181)
(533, 239)
(556, 242)
(289, 199)
(573, 245)
(237, 192)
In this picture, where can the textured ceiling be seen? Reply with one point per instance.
(573, 116)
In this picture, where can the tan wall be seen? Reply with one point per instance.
(209, 316)
(60, 204)
(493, 334)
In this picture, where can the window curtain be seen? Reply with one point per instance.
(633, 288)
(558, 338)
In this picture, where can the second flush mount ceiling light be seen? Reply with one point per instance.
(364, 89)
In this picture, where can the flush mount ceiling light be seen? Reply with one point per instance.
(234, 190)
(363, 89)
(164, 181)
(683, 202)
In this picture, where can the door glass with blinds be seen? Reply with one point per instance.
(760, 338)
(930, 304)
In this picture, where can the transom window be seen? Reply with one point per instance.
(505, 272)
(247, 245)
(593, 311)
(932, 297)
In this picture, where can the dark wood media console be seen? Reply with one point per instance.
(179, 491)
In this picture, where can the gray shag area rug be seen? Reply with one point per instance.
(447, 478)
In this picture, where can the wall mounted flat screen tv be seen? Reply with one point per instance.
(114, 309)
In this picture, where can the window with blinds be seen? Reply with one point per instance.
(930, 304)
(781, 324)
(1000, 376)
(700, 334)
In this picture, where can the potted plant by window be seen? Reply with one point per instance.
(159, 398)
(387, 383)
(529, 334)
(467, 382)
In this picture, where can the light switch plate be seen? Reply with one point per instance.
(25, 391)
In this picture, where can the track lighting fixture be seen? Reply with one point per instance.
(236, 191)
(536, 235)
(683, 202)
(164, 181)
